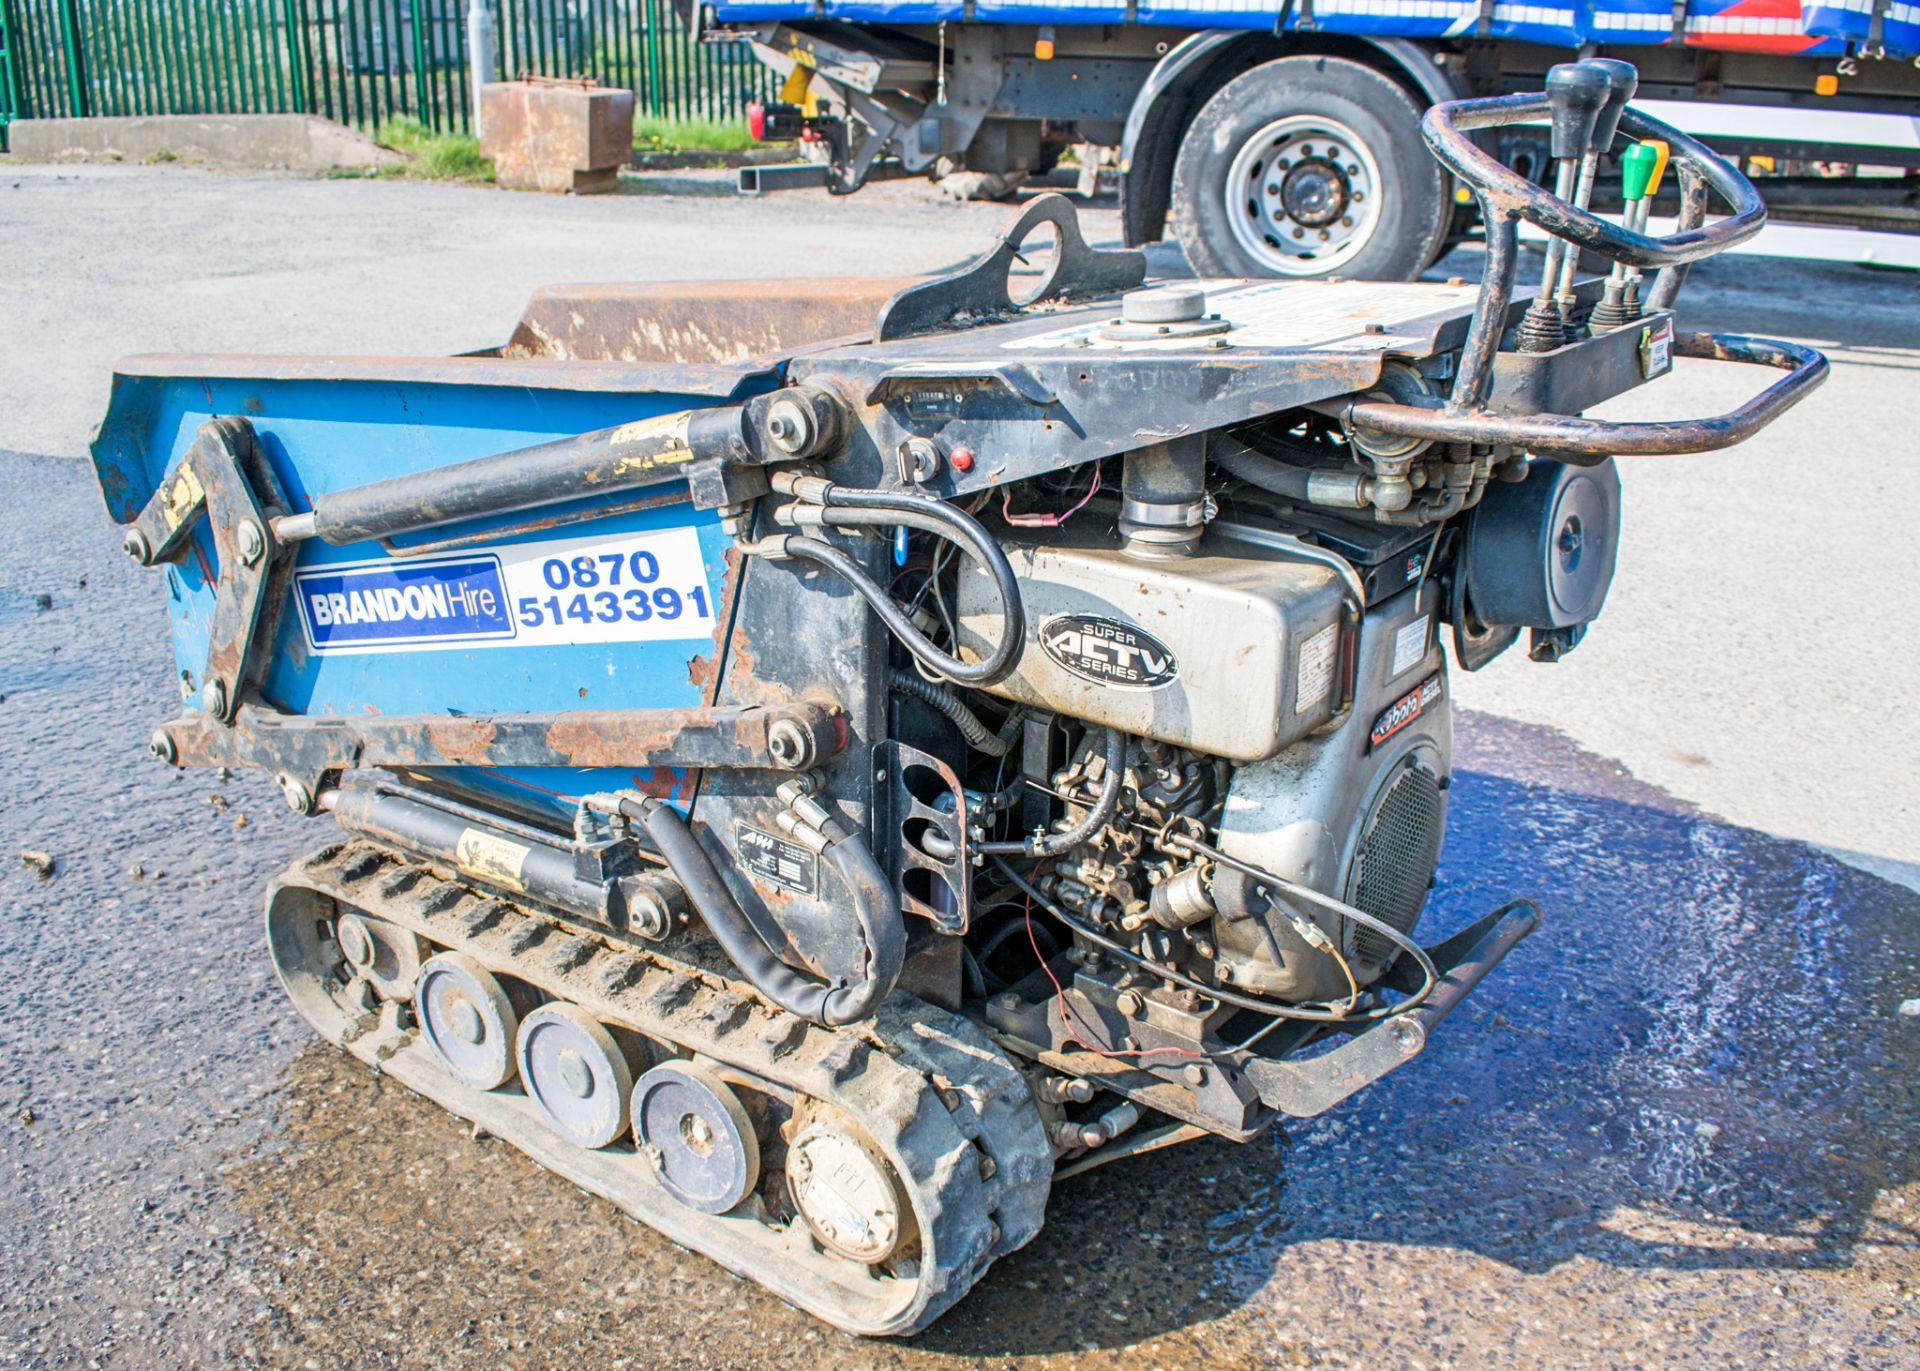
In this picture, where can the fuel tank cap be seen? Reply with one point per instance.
(1171, 311)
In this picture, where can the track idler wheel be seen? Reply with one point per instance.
(575, 1073)
(697, 1136)
(467, 1020)
(386, 954)
(845, 1190)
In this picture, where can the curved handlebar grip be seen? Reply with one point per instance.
(1584, 441)
(1622, 82)
(1505, 193)
(1577, 93)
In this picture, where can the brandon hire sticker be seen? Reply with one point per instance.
(633, 587)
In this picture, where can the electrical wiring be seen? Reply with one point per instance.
(1007, 515)
(1314, 1014)
(1173, 842)
(1066, 1025)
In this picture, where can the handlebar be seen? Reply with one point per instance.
(1506, 198)
(1585, 442)
(1510, 194)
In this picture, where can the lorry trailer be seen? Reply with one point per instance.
(1282, 137)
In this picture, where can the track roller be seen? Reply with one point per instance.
(949, 1157)
(575, 1074)
(697, 1136)
(466, 1018)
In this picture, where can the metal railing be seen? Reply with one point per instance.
(362, 62)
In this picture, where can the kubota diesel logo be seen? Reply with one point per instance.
(1108, 651)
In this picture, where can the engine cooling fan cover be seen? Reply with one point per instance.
(1394, 861)
(1541, 553)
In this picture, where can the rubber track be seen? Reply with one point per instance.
(950, 1112)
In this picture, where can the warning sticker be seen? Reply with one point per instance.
(491, 858)
(633, 587)
(775, 859)
(1409, 646)
(1656, 349)
(1314, 680)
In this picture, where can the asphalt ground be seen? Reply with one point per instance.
(1678, 1127)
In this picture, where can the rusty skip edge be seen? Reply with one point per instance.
(789, 737)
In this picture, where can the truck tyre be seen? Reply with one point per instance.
(1305, 167)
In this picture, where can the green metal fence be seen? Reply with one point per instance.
(361, 62)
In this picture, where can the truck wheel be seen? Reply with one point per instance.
(1309, 166)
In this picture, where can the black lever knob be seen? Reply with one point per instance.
(1622, 81)
(1577, 92)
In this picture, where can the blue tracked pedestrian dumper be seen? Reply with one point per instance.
(817, 762)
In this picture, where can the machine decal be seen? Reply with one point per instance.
(388, 605)
(491, 857)
(1656, 349)
(1314, 679)
(776, 859)
(633, 587)
(1404, 711)
(1108, 651)
(1409, 646)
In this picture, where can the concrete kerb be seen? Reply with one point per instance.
(300, 142)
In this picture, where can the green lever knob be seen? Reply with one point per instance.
(1638, 166)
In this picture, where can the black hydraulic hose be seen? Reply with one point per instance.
(986, 672)
(1104, 806)
(979, 737)
(880, 508)
(877, 910)
(1263, 473)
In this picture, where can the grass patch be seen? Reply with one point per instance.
(657, 133)
(434, 156)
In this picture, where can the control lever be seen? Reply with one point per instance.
(1622, 81)
(1577, 92)
(1641, 167)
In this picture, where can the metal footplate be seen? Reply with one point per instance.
(950, 1115)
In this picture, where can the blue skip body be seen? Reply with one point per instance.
(608, 613)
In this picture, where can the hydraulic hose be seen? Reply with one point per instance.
(1297, 484)
(993, 668)
(1259, 471)
(1104, 806)
(826, 504)
(978, 736)
(875, 907)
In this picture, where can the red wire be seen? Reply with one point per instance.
(1060, 999)
(1047, 520)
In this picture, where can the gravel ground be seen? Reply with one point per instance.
(1678, 1127)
